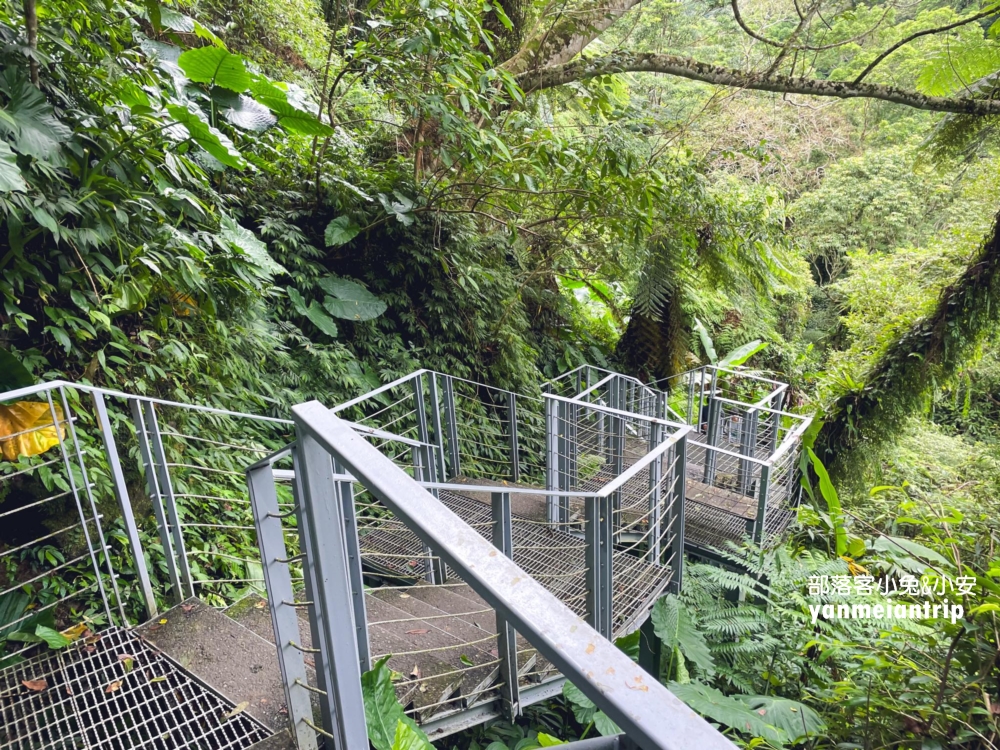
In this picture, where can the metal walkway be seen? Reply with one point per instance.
(593, 487)
(111, 690)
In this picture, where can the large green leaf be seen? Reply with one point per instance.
(350, 300)
(408, 737)
(215, 66)
(727, 711)
(36, 130)
(243, 111)
(10, 174)
(896, 547)
(706, 341)
(12, 607)
(340, 231)
(13, 375)
(382, 711)
(676, 628)
(741, 354)
(209, 138)
(585, 711)
(321, 320)
(298, 120)
(829, 493)
(253, 248)
(793, 718)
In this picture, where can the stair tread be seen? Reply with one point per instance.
(228, 657)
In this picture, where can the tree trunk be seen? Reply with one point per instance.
(31, 25)
(863, 421)
(654, 344)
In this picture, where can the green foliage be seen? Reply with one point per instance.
(389, 728)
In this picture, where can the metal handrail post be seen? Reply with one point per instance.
(515, 458)
(747, 424)
(345, 491)
(436, 424)
(765, 480)
(153, 487)
(713, 439)
(676, 548)
(503, 540)
(420, 409)
(655, 499)
(451, 417)
(333, 596)
(167, 490)
(317, 616)
(552, 479)
(281, 598)
(125, 505)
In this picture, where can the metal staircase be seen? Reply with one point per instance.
(406, 523)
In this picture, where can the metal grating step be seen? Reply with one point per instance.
(93, 698)
(555, 558)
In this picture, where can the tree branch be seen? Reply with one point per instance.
(685, 67)
(568, 35)
(991, 11)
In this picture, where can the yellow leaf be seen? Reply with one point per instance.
(26, 429)
(240, 708)
(75, 632)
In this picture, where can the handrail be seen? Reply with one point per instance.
(604, 491)
(31, 390)
(648, 713)
(381, 389)
(617, 412)
(594, 387)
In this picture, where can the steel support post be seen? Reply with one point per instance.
(153, 487)
(675, 550)
(747, 444)
(713, 440)
(124, 504)
(317, 617)
(618, 423)
(451, 418)
(420, 409)
(345, 492)
(565, 461)
(165, 497)
(503, 540)
(95, 550)
(691, 418)
(515, 458)
(598, 551)
(765, 480)
(281, 597)
(552, 460)
(419, 458)
(655, 496)
(436, 424)
(338, 640)
(775, 424)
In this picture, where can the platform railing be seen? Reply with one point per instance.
(330, 459)
(741, 467)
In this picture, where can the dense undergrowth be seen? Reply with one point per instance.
(229, 203)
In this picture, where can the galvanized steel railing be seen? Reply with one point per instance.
(330, 458)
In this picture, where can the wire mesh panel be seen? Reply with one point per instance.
(111, 690)
(194, 463)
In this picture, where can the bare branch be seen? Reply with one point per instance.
(685, 67)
